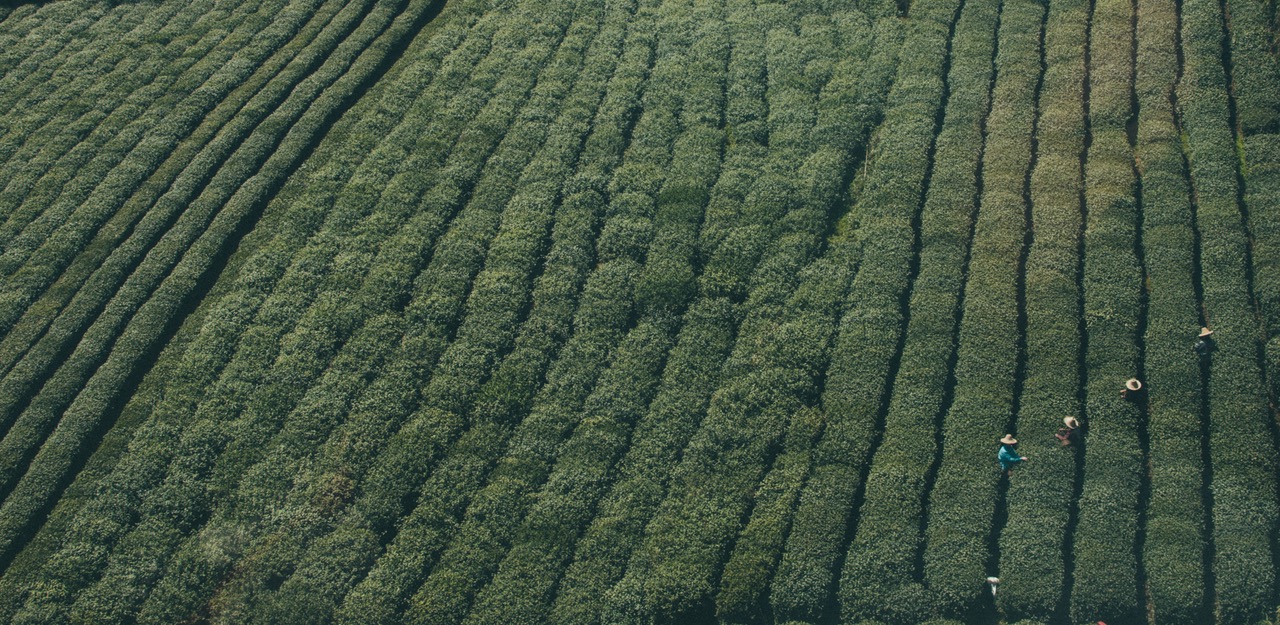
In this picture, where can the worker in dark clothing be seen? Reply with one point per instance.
(1069, 435)
(1133, 390)
(1204, 342)
(1008, 455)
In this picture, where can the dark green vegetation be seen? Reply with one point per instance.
(571, 312)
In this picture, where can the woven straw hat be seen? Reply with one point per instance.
(1070, 422)
(1133, 384)
(1205, 332)
(1009, 440)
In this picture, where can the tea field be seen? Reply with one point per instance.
(638, 312)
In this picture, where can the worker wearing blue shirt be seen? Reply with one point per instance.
(1008, 455)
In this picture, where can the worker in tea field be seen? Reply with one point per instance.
(1009, 455)
(1132, 390)
(1069, 435)
(1204, 342)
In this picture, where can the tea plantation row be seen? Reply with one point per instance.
(645, 312)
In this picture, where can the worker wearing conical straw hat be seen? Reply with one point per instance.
(1132, 390)
(1070, 434)
(1008, 454)
(1204, 342)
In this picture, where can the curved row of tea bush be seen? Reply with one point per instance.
(586, 312)
(271, 250)
(962, 504)
(806, 570)
(1262, 196)
(59, 132)
(88, 284)
(48, 263)
(35, 55)
(601, 553)
(459, 252)
(881, 580)
(506, 396)
(1244, 490)
(262, 485)
(501, 292)
(1255, 87)
(53, 129)
(126, 283)
(1114, 457)
(146, 326)
(1254, 73)
(330, 101)
(522, 588)
(1173, 557)
(1032, 545)
(514, 557)
(20, 26)
(26, 323)
(766, 376)
(148, 149)
(66, 220)
(602, 318)
(836, 49)
(355, 536)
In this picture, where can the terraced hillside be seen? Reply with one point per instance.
(577, 312)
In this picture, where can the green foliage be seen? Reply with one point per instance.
(672, 574)
(602, 551)
(1032, 558)
(880, 579)
(496, 298)
(55, 332)
(1254, 71)
(290, 150)
(490, 311)
(140, 182)
(522, 586)
(806, 572)
(85, 410)
(1175, 530)
(206, 357)
(603, 310)
(93, 101)
(59, 35)
(962, 503)
(1262, 198)
(1244, 493)
(1112, 284)
(742, 596)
